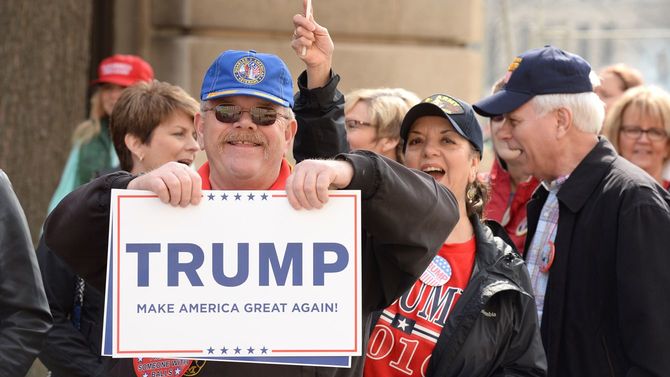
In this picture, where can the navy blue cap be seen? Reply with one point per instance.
(249, 73)
(458, 112)
(547, 70)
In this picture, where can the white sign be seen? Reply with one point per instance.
(242, 274)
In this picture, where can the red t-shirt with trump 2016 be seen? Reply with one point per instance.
(405, 335)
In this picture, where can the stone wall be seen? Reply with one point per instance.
(426, 46)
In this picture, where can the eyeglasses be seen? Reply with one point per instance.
(352, 124)
(261, 116)
(654, 134)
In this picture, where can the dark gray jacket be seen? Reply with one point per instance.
(24, 311)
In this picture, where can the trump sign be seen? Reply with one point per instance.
(242, 274)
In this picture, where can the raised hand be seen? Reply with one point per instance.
(313, 45)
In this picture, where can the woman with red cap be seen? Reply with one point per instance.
(92, 150)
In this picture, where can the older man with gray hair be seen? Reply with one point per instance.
(597, 245)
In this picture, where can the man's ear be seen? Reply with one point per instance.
(199, 124)
(563, 121)
(291, 130)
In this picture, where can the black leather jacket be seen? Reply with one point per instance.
(24, 311)
(320, 116)
(493, 329)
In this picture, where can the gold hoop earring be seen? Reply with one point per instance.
(471, 193)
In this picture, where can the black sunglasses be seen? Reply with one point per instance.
(262, 116)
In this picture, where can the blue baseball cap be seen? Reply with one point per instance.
(547, 70)
(458, 112)
(249, 73)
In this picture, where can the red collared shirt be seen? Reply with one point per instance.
(280, 183)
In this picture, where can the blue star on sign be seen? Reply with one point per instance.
(211, 196)
(264, 196)
(210, 350)
(264, 350)
(224, 197)
(238, 196)
(237, 350)
(250, 350)
(224, 351)
(250, 196)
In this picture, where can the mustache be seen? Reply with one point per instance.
(243, 136)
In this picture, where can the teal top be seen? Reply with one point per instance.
(95, 155)
(85, 162)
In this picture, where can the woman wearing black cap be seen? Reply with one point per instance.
(472, 312)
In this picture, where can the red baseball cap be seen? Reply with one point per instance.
(123, 70)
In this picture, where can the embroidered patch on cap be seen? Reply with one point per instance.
(512, 66)
(249, 70)
(147, 367)
(446, 103)
(438, 273)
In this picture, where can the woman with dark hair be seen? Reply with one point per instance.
(472, 312)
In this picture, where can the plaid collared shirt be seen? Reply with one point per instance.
(538, 255)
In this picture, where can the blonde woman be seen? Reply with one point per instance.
(92, 149)
(638, 125)
(373, 118)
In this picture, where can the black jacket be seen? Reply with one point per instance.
(24, 311)
(493, 329)
(405, 218)
(320, 116)
(71, 351)
(68, 351)
(608, 296)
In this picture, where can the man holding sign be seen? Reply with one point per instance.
(246, 125)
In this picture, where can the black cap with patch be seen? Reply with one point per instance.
(456, 111)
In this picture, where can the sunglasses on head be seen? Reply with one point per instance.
(260, 115)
